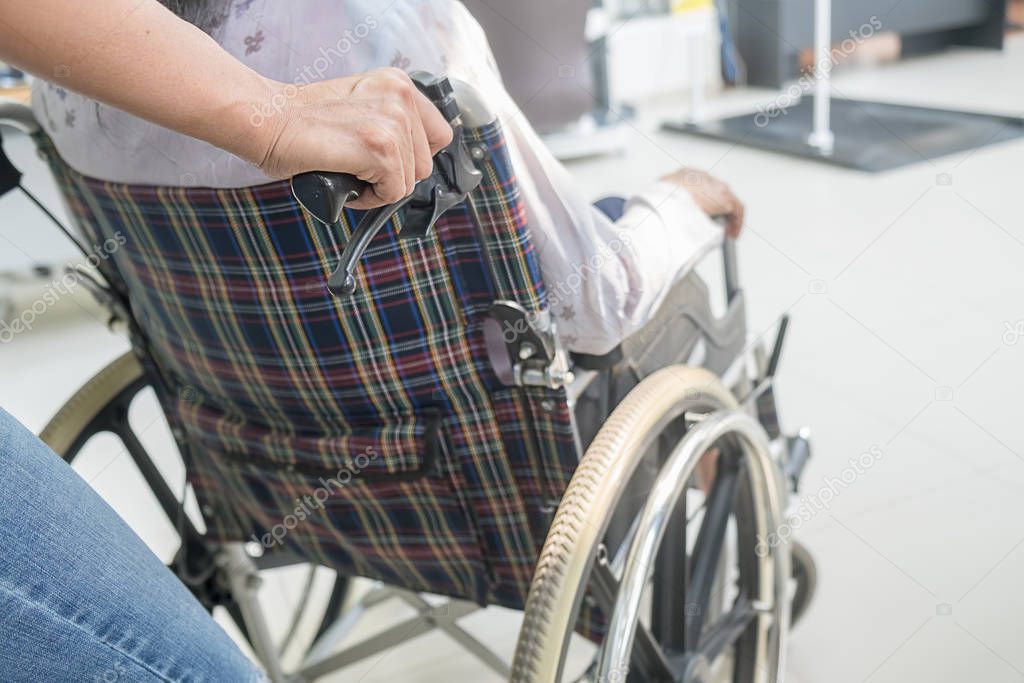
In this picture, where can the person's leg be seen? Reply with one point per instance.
(613, 207)
(81, 596)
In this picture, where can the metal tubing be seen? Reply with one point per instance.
(325, 643)
(732, 273)
(456, 632)
(18, 115)
(648, 654)
(822, 138)
(244, 582)
(388, 638)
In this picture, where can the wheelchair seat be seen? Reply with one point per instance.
(447, 476)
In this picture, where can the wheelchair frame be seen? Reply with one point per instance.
(574, 555)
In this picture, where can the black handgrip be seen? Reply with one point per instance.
(324, 194)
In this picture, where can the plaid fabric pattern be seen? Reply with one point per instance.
(368, 433)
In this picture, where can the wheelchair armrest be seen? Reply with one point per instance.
(586, 361)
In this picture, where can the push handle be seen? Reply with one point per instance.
(324, 194)
(453, 177)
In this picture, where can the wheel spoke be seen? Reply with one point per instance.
(300, 611)
(169, 503)
(193, 562)
(647, 657)
(669, 589)
(115, 419)
(708, 548)
(727, 629)
(235, 612)
(335, 605)
(700, 508)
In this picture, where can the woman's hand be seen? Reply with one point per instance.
(376, 126)
(711, 195)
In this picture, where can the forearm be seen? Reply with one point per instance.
(668, 234)
(116, 51)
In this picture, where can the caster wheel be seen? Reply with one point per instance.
(805, 573)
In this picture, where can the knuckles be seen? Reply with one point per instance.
(392, 81)
(377, 141)
(446, 136)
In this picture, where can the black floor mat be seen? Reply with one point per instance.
(870, 136)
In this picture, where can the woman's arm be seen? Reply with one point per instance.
(138, 56)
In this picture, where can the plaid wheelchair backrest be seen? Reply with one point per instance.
(368, 433)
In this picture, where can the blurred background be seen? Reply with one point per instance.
(890, 231)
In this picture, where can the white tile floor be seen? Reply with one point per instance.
(920, 557)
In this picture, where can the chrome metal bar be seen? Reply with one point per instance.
(17, 115)
(670, 585)
(581, 380)
(649, 655)
(300, 611)
(245, 582)
(732, 272)
(337, 632)
(385, 640)
(619, 560)
(457, 633)
(821, 136)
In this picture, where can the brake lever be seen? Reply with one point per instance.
(343, 280)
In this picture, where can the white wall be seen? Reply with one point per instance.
(649, 56)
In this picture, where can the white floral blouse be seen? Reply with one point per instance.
(640, 256)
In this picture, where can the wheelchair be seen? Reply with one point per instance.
(410, 417)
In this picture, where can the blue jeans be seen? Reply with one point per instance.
(81, 596)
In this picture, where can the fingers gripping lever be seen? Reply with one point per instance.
(324, 195)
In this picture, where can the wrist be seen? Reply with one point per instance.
(251, 118)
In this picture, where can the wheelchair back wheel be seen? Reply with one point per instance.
(666, 619)
(102, 406)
